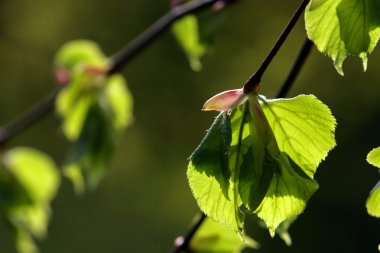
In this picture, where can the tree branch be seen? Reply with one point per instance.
(29, 117)
(255, 79)
(182, 243)
(297, 66)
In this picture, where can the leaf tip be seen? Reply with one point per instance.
(364, 58)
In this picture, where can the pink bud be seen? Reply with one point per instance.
(225, 100)
(62, 76)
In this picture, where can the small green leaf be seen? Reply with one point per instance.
(304, 129)
(373, 157)
(95, 109)
(186, 31)
(373, 201)
(344, 27)
(209, 175)
(31, 179)
(288, 193)
(282, 231)
(75, 53)
(195, 34)
(212, 237)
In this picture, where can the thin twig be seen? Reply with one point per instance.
(182, 243)
(29, 117)
(298, 64)
(255, 79)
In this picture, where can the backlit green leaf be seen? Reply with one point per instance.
(272, 157)
(373, 201)
(95, 109)
(209, 175)
(195, 34)
(186, 31)
(344, 27)
(304, 129)
(373, 157)
(213, 237)
(31, 180)
(75, 53)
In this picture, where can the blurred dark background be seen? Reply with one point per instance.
(145, 202)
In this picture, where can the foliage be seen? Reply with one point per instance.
(344, 27)
(29, 180)
(373, 201)
(195, 34)
(215, 238)
(258, 158)
(95, 109)
(257, 162)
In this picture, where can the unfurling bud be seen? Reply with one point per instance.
(225, 100)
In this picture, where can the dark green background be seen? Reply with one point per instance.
(145, 202)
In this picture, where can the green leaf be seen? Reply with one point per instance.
(304, 129)
(186, 31)
(272, 157)
(344, 27)
(373, 201)
(282, 231)
(95, 109)
(90, 155)
(288, 193)
(213, 237)
(75, 53)
(373, 157)
(209, 175)
(31, 180)
(195, 34)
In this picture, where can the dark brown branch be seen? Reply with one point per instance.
(182, 243)
(297, 66)
(29, 117)
(255, 79)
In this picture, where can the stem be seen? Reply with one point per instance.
(145, 38)
(297, 66)
(182, 243)
(29, 117)
(255, 79)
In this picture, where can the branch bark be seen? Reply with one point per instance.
(255, 79)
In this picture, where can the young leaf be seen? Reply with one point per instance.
(187, 35)
(212, 237)
(344, 27)
(95, 109)
(195, 34)
(304, 129)
(209, 175)
(29, 181)
(373, 201)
